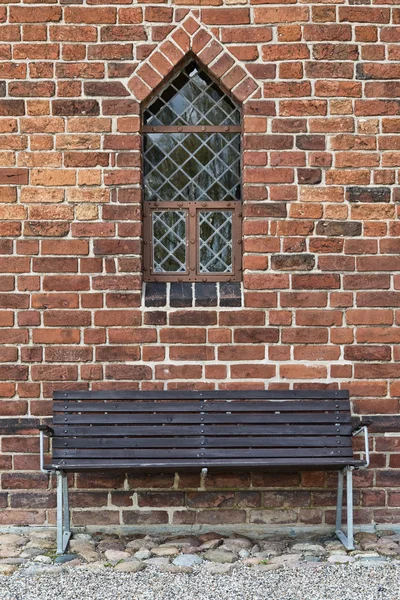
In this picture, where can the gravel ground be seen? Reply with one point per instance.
(327, 582)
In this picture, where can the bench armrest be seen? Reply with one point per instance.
(363, 427)
(44, 430)
(47, 430)
(360, 426)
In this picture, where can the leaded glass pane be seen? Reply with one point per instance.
(215, 236)
(192, 98)
(169, 241)
(192, 166)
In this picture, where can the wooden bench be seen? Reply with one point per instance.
(225, 430)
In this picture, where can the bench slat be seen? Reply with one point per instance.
(84, 453)
(211, 442)
(211, 395)
(182, 406)
(288, 418)
(93, 464)
(169, 430)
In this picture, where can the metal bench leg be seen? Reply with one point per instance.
(347, 541)
(63, 525)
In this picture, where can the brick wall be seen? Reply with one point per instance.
(321, 285)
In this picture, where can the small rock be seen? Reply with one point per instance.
(7, 569)
(333, 546)
(244, 553)
(190, 549)
(11, 539)
(219, 568)
(130, 566)
(110, 545)
(142, 554)
(157, 561)
(221, 556)
(183, 541)
(287, 559)
(115, 555)
(73, 563)
(358, 555)
(84, 549)
(47, 534)
(364, 536)
(140, 544)
(9, 551)
(187, 560)
(207, 537)
(13, 561)
(43, 544)
(175, 569)
(93, 567)
(165, 551)
(65, 558)
(341, 559)
(272, 548)
(249, 562)
(236, 544)
(41, 558)
(30, 553)
(311, 558)
(309, 549)
(211, 545)
(85, 537)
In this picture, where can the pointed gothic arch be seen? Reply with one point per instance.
(190, 38)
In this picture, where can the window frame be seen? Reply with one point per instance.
(192, 273)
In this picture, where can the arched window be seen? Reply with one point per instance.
(192, 181)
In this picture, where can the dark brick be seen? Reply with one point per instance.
(180, 294)
(230, 293)
(293, 262)
(105, 88)
(13, 108)
(368, 194)
(205, 294)
(309, 176)
(156, 294)
(339, 228)
(70, 108)
(311, 142)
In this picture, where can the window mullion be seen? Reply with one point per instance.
(192, 240)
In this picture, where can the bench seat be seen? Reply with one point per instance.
(180, 430)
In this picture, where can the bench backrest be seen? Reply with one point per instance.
(222, 428)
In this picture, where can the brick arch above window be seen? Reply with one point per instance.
(191, 38)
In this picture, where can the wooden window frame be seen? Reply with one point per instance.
(192, 272)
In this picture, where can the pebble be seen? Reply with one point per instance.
(165, 551)
(45, 560)
(131, 566)
(221, 556)
(64, 558)
(187, 560)
(341, 558)
(116, 555)
(142, 554)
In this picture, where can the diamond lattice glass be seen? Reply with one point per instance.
(215, 234)
(192, 166)
(192, 98)
(169, 241)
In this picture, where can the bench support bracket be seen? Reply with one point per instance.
(63, 524)
(347, 540)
